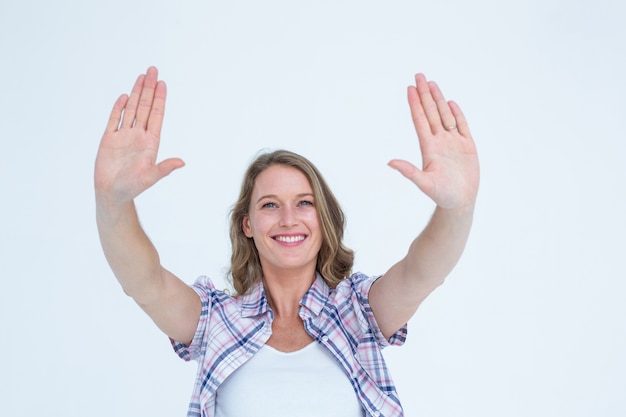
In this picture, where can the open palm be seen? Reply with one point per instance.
(450, 172)
(126, 162)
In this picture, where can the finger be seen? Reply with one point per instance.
(155, 121)
(448, 121)
(131, 105)
(420, 121)
(461, 121)
(167, 166)
(428, 103)
(116, 114)
(163, 169)
(404, 167)
(414, 174)
(145, 100)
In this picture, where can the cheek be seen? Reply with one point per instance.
(313, 220)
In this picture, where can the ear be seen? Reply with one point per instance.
(245, 226)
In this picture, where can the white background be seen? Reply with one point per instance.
(532, 321)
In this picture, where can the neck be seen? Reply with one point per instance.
(285, 290)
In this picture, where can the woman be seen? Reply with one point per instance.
(298, 312)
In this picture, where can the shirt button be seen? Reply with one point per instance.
(325, 338)
(376, 413)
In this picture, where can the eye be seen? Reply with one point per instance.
(269, 205)
(305, 203)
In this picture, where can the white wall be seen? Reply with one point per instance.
(530, 323)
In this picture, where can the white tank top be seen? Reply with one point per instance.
(306, 383)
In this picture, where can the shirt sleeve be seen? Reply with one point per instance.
(361, 285)
(204, 288)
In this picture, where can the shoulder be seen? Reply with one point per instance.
(223, 319)
(358, 284)
(225, 306)
(353, 292)
(356, 289)
(206, 289)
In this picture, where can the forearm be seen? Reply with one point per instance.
(132, 257)
(449, 176)
(435, 252)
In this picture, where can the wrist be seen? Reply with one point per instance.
(111, 211)
(466, 210)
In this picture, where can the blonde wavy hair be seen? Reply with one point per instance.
(334, 260)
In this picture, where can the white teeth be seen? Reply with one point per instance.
(290, 239)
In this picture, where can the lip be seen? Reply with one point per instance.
(292, 239)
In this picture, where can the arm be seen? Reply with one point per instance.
(450, 177)
(125, 167)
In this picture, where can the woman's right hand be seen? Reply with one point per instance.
(126, 161)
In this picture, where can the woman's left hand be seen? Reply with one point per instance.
(450, 172)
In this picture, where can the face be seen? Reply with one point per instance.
(282, 220)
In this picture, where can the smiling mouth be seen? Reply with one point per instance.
(290, 239)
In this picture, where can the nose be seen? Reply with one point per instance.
(288, 217)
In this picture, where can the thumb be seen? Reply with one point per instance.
(413, 173)
(165, 168)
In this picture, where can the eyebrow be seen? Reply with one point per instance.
(274, 196)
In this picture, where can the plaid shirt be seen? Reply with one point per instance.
(231, 330)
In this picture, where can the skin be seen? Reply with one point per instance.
(126, 166)
(284, 224)
(450, 177)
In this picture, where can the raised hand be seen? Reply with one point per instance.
(450, 172)
(126, 162)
